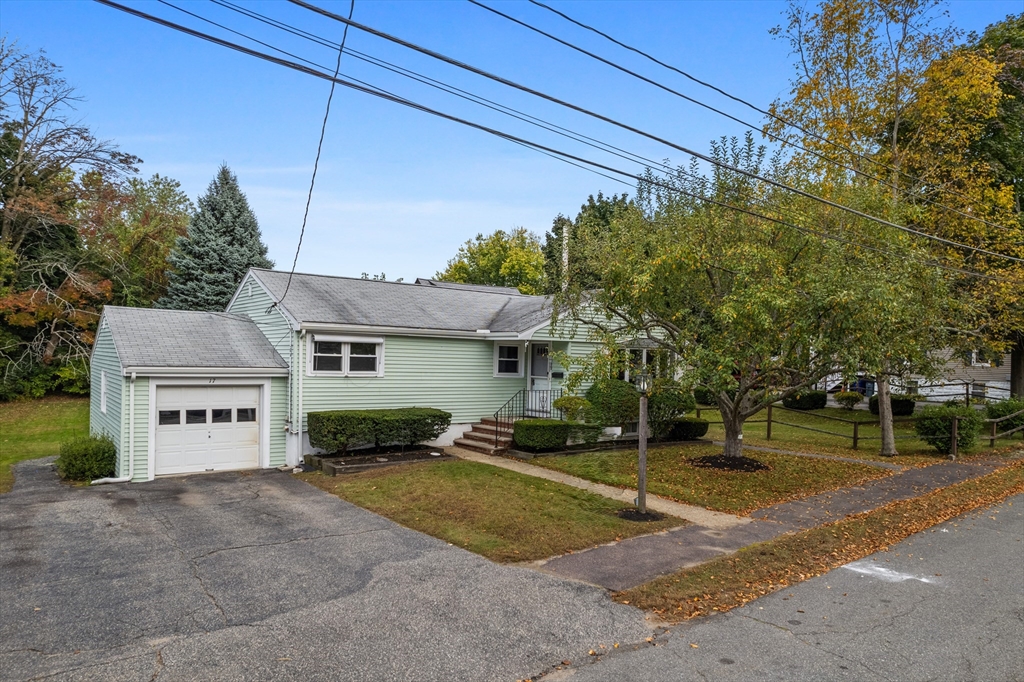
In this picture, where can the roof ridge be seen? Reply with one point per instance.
(385, 281)
(222, 313)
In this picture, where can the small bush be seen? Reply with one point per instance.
(935, 426)
(537, 435)
(584, 433)
(340, 430)
(704, 396)
(615, 402)
(806, 400)
(902, 405)
(688, 428)
(1004, 408)
(575, 408)
(667, 403)
(848, 399)
(87, 458)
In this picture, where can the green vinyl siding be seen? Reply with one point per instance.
(278, 415)
(141, 413)
(254, 302)
(455, 375)
(109, 423)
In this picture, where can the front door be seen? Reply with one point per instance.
(540, 381)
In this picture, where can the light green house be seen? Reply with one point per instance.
(186, 391)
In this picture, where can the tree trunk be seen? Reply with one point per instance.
(885, 417)
(1017, 368)
(733, 424)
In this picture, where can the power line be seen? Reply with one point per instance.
(744, 102)
(625, 126)
(565, 156)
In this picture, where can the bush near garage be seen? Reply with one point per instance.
(934, 425)
(806, 400)
(340, 430)
(902, 405)
(616, 402)
(848, 399)
(87, 458)
(688, 428)
(538, 435)
(667, 403)
(1004, 408)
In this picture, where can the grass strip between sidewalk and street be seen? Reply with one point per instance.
(500, 514)
(734, 580)
(36, 428)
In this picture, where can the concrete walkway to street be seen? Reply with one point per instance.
(627, 563)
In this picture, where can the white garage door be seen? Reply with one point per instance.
(206, 428)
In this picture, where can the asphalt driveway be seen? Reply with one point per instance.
(260, 576)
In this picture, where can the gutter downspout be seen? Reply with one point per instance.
(302, 370)
(131, 440)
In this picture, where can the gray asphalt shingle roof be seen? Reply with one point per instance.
(342, 300)
(153, 337)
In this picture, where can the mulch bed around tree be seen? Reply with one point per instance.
(726, 463)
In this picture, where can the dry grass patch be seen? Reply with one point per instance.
(671, 473)
(728, 582)
(500, 514)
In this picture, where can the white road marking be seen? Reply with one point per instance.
(882, 573)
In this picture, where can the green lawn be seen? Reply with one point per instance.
(500, 514)
(35, 428)
(671, 474)
(913, 452)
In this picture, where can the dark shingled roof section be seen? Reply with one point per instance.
(486, 288)
(343, 300)
(153, 337)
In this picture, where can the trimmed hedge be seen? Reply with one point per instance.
(615, 402)
(934, 425)
(536, 435)
(704, 396)
(688, 428)
(576, 408)
(666, 404)
(586, 433)
(87, 458)
(340, 430)
(902, 405)
(806, 400)
(848, 399)
(1003, 408)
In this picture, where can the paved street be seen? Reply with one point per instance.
(946, 604)
(260, 576)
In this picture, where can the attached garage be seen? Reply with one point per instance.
(184, 392)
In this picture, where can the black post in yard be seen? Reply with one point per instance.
(954, 436)
(769, 436)
(856, 434)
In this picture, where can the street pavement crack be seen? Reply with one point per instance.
(287, 542)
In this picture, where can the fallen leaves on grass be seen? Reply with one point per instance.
(760, 569)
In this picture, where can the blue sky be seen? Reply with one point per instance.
(398, 191)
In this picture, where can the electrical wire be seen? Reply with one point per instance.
(744, 102)
(377, 92)
(625, 126)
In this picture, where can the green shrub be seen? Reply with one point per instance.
(848, 399)
(340, 430)
(615, 402)
(704, 396)
(87, 458)
(586, 433)
(806, 400)
(935, 426)
(575, 408)
(1004, 408)
(902, 405)
(688, 428)
(541, 434)
(666, 404)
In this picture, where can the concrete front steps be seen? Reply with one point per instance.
(481, 438)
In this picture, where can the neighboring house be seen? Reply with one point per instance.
(177, 390)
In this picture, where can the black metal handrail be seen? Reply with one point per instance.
(525, 403)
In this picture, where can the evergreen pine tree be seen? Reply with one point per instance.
(223, 242)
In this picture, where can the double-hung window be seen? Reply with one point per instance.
(346, 356)
(508, 361)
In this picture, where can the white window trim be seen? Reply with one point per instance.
(346, 348)
(103, 391)
(522, 361)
